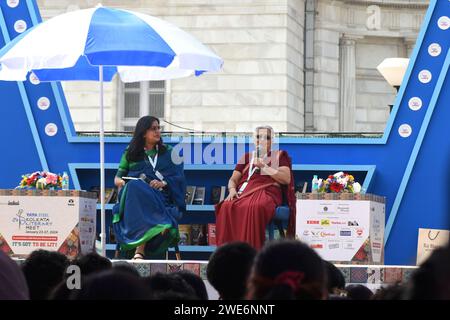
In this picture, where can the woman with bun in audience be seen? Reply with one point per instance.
(288, 270)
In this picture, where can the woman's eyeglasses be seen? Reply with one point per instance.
(155, 128)
(261, 137)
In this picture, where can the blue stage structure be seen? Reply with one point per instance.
(409, 164)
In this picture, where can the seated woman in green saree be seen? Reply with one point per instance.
(151, 204)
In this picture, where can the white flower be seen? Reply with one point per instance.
(356, 187)
(342, 181)
(338, 174)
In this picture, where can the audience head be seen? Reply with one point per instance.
(358, 292)
(336, 280)
(92, 263)
(13, 284)
(111, 285)
(288, 270)
(127, 268)
(169, 286)
(395, 291)
(229, 268)
(44, 270)
(432, 280)
(195, 282)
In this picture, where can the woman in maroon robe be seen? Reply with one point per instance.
(256, 188)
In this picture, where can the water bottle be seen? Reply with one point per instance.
(315, 184)
(65, 181)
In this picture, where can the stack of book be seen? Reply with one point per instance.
(193, 234)
(185, 234)
(218, 194)
(212, 234)
(195, 195)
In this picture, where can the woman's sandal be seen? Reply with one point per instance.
(138, 256)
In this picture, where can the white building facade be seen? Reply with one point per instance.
(298, 65)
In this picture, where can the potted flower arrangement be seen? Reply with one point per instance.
(41, 180)
(338, 183)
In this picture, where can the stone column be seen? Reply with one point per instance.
(410, 43)
(347, 83)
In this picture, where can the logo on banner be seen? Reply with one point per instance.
(20, 26)
(71, 203)
(325, 222)
(348, 246)
(434, 49)
(444, 23)
(425, 76)
(353, 224)
(51, 129)
(327, 234)
(405, 130)
(12, 3)
(316, 246)
(332, 246)
(43, 103)
(19, 219)
(13, 203)
(325, 209)
(359, 232)
(338, 222)
(415, 103)
(345, 233)
(312, 222)
(306, 233)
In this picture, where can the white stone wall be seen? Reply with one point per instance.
(338, 20)
(262, 44)
(261, 82)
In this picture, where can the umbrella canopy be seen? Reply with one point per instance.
(95, 44)
(72, 46)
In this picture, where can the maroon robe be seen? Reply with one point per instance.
(246, 218)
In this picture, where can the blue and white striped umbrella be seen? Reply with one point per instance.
(95, 44)
(139, 47)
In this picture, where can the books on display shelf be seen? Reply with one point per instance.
(110, 194)
(198, 234)
(193, 234)
(218, 194)
(185, 234)
(199, 196)
(190, 192)
(212, 234)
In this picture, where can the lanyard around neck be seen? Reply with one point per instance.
(154, 161)
(251, 170)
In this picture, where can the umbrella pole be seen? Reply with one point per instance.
(102, 167)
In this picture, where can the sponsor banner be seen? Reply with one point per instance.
(342, 230)
(62, 223)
